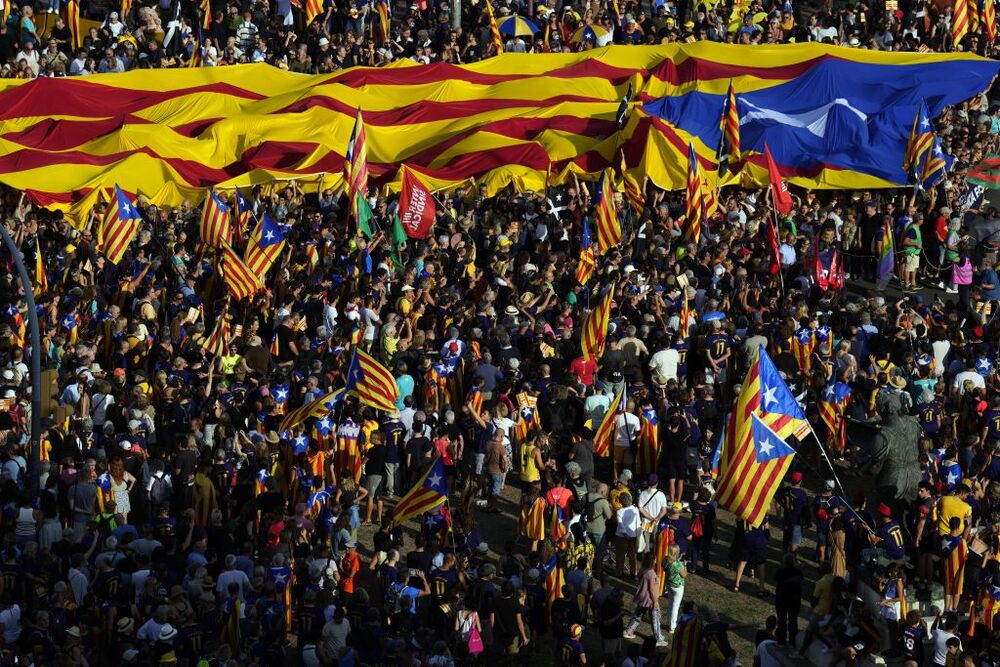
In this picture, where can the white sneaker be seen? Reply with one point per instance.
(951, 290)
(628, 635)
(941, 284)
(663, 642)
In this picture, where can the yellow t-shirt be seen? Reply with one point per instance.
(948, 507)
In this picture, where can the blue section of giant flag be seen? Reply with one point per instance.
(837, 114)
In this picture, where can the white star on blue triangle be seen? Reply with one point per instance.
(767, 444)
(775, 396)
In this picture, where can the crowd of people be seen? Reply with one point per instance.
(168, 518)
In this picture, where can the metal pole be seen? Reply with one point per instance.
(36, 359)
(456, 14)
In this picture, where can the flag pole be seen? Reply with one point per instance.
(774, 221)
(836, 479)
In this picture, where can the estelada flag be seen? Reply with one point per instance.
(416, 207)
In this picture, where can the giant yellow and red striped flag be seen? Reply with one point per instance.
(754, 455)
(959, 21)
(126, 8)
(216, 228)
(373, 384)
(490, 122)
(265, 245)
(497, 40)
(356, 165)
(990, 20)
(606, 431)
(633, 191)
(238, 277)
(609, 230)
(694, 210)
(429, 493)
(72, 22)
(120, 225)
(41, 280)
(595, 328)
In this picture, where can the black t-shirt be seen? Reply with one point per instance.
(420, 560)
(505, 611)
(417, 447)
(376, 460)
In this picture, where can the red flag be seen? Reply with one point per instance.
(779, 191)
(416, 207)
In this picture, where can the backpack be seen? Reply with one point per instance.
(161, 491)
(391, 600)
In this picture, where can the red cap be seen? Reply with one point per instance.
(977, 331)
(796, 477)
(453, 347)
(884, 510)
(822, 515)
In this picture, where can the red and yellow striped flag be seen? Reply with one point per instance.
(554, 582)
(239, 278)
(120, 225)
(267, 240)
(585, 267)
(694, 211)
(126, 8)
(41, 280)
(429, 493)
(663, 542)
(531, 525)
(318, 408)
(754, 455)
(72, 22)
(313, 9)
(494, 29)
(955, 552)
(609, 231)
(206, 15)
(973, 15)
(372, 382)
(595, 328)
(216, 227)
(606, 431)
(633, 191)
(216, 343)
(990, 20)
(356, 165)
(959, 21)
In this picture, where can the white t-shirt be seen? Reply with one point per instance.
(664, 363)
(977, 381)
(940, 639)
(626, 429)
(652, 501)
(628, 521)
(230, 576)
